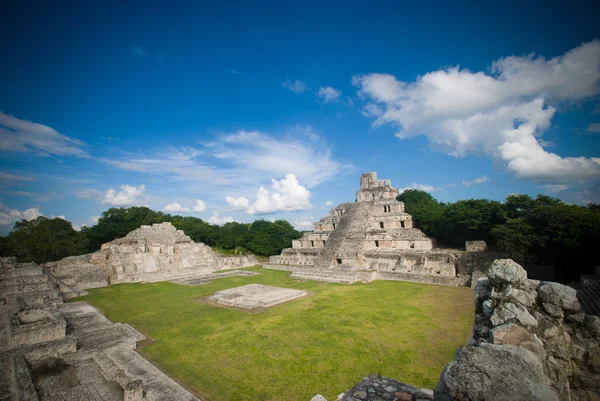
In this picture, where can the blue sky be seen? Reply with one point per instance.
(169, 104)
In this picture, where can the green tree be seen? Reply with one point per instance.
(43, 240)
(425, 209)
(471, 219)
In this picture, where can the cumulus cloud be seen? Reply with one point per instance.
(303, 223)
(501, 114)
(127, 196)
(176, 207)
(200, 206)
(295, 86)
(25, 136)
(476, 181)
(421, 187)
(215, 219)
(238, 204)
(287, 195)
(10, 216)
(328, 203)
(329, 94)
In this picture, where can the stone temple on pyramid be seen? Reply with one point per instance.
(374, 238)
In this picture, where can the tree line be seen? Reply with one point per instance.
(43, 240)
(541, 230)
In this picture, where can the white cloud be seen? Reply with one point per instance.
(449, 185)
(233, 71)
(176, 207)
(215, 219)
(328, 203)
(127, 196)
(554, 188)
(94, 219)
(502, 114)
(329, 94)
(14, 177)
(33, 213)
(593, 128)
(253, 154)
(238, 204)
(303, 223)
(476, 181)
(421, 187)
(200, 206)
(10, 216)
(288, 195)
(25, 136)
(295, 86)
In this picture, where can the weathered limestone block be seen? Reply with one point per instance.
(553, 310)
(494, 373)
(559, 294)
(513, 334)
(509, 312)
(524, 297)
(508, 271)
(475, 246)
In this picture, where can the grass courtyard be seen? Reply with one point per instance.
(324, 343)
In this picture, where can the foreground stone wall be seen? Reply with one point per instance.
(150, 253)
(531, 341)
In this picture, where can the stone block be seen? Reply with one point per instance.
(255, 295)
(475, 246)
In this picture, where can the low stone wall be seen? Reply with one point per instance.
(531, 341)
(424, 278)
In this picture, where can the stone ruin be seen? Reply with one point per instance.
(252, 296)
(531, 341)
(52, 351)
(150, 253)
(374, 238)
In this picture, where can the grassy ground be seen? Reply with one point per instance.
(324, 343)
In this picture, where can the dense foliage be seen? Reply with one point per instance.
(43, 239)
(529, 229)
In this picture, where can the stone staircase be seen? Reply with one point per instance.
(344, 240)
(589, 297)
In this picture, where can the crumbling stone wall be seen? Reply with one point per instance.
(531, 341)
(159, 251)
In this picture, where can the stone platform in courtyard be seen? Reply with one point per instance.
(255, 295)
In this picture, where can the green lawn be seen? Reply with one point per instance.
(324, 343)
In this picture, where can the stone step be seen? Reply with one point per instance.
(589, 297)
(29, 270)
(9, 281)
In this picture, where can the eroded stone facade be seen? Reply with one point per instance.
(150, 253)
(375, 234)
